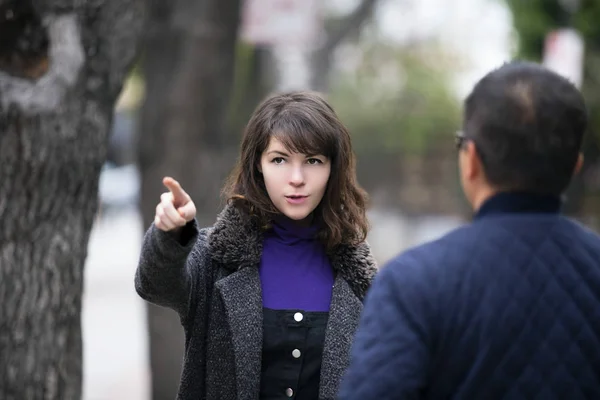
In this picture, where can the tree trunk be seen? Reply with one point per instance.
(188, 70)
(62, 64)
(337, 31)
(256, 78)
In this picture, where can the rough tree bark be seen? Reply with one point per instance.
(188, 66)
(62, 64)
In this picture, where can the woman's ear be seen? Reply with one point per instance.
(259, 167)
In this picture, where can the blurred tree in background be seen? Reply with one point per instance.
(533, 19)
(399, 104)
(256, 73)
(188, 68)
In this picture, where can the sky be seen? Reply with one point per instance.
(480, 31)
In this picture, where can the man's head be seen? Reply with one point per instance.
(522, 131)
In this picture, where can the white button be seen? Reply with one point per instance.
(296, 353)
(298, 317)
(289, 392)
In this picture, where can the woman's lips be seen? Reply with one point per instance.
(296, 199)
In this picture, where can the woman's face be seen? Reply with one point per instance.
(295, 182)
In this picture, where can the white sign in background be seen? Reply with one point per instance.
(563, 53)
(294, 23)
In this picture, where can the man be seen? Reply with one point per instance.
(507, 307)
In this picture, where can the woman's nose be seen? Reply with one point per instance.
(297, 176)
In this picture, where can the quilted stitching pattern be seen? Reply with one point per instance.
(505, 308)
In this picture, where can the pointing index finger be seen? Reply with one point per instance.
(179, 195)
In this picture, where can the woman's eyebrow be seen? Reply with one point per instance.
(278, 152)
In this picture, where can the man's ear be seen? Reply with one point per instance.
(472, 164)
(579, 164)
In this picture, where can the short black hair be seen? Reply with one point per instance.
(527, 124)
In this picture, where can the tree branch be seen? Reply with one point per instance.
(349, 24)
(111, 54)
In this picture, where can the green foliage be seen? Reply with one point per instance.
(397, 100)
(533, 19)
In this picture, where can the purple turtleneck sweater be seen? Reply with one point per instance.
(295, 272)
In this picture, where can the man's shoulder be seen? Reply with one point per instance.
(580, 238)
(483, 238)
(441, 246)
(426, 259)
(585, 232)
(453, 249)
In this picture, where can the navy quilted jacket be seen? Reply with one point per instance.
(507, 307)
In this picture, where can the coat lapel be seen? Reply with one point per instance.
(344, 316)
(236, 244)
(242, 298)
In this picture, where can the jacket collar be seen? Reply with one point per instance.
(519, 202)
(236, 242)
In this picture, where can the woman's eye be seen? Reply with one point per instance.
(313, 161)
(278, 160)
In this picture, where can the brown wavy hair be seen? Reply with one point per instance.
(304, 123)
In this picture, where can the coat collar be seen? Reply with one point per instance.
(519, 202)
(236, 242)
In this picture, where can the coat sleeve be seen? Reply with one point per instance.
(390, 356)
(168, 267)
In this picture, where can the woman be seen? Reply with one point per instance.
(270, 296)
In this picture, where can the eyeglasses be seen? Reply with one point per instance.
(459, 139)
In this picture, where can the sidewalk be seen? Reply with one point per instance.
(113, 320)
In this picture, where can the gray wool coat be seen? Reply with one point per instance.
(213, 283)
